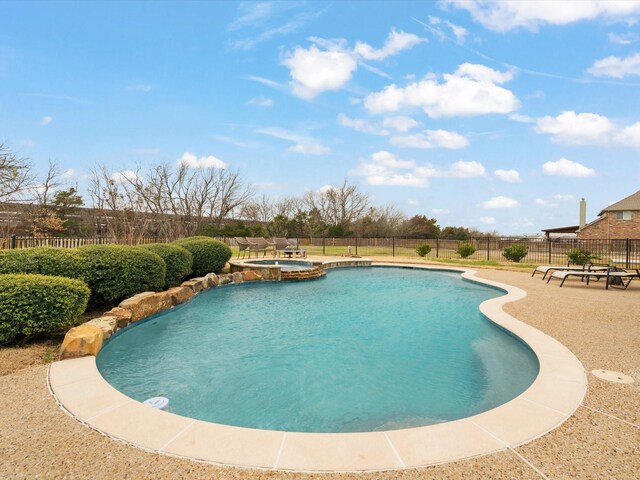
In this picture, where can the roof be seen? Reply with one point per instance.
(571, 229)
(632, 202)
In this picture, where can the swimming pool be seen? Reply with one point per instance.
(362, 350)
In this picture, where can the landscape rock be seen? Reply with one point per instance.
(224, 279)
(108, 325)
(122, 315)
(212, 280)
(146, 304)
(251, 276)
(180, 294)
(80, 341)
(195, 284)
(237, 277)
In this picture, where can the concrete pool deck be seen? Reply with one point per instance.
(601, 439)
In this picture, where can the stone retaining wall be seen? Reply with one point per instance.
(87, 339)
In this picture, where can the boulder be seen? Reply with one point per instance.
(195, 284)
(212, 280)
(180, 294)
(251, 276)
(146, 304)
(108, 325)
(237, 277)
(80, 341)
(122, 315)
(224, 279)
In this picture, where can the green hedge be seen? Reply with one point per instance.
(178, 260)
(209, 255)
(61, 262)
(33, 304)
(115, 272)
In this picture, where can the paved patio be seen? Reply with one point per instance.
(602, 439)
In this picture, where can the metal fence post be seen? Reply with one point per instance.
(488, 246)
(356, 245)
(437, 247)
(393, 246)
(12, 245)
(628, 262)
(323, 246)
(549, 239)
(297, 243)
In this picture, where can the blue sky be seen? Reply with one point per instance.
(494, 115)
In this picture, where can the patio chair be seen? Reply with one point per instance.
(588, 267)
(615, 277)
(260, 244)
(281, 244)
(243, 246)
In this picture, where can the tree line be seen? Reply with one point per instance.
(173, 201)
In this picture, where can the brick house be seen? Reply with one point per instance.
(619, 220)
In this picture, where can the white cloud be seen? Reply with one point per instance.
(577, 129)
(384, 168)
(505, 15)
(488, 220)
(413, 202)
(400, 123)
(431, 139)
(439, 211)
(567, 168)
(46, 120)
(467, 92)
(125, 176)
(261, 102)
(142, 87)
(190, 160)
(516, 117)
(395, 43)
(629, 136)
(500, 202)
(303, 144)
(459, 32)
(544, 203)
(511, 176)
(265, 81)
(623, 38)
(563, 197)
(315, 71)
(616, 67)
(361, 125)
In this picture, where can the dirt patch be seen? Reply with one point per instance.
(13, 359)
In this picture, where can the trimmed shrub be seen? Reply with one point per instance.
(62, 262)
(423, 250)
(115, 272)
(209, 255)
(516, 252)
(178, 260)
(580, 256)
(466, 250)
(34, 304)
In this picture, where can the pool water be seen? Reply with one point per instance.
(285, 265)
(363, 349)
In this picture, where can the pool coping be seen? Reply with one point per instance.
(558, 390)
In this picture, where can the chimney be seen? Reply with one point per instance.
(583, 214)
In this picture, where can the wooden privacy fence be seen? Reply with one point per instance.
(619, 252)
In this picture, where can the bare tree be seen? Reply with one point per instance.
(15, 174)
(338, 206)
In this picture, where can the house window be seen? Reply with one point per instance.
(623, 215)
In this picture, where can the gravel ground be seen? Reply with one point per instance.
(602, 440)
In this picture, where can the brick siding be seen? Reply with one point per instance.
(609, 227)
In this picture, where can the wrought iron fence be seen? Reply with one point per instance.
(620, 252)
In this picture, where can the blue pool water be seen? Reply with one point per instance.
(285, 265)
(362, 349)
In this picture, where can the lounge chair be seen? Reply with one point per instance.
(587, 267)
(281, 244)
(615, 277)
(243, 246)
(260, 244)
